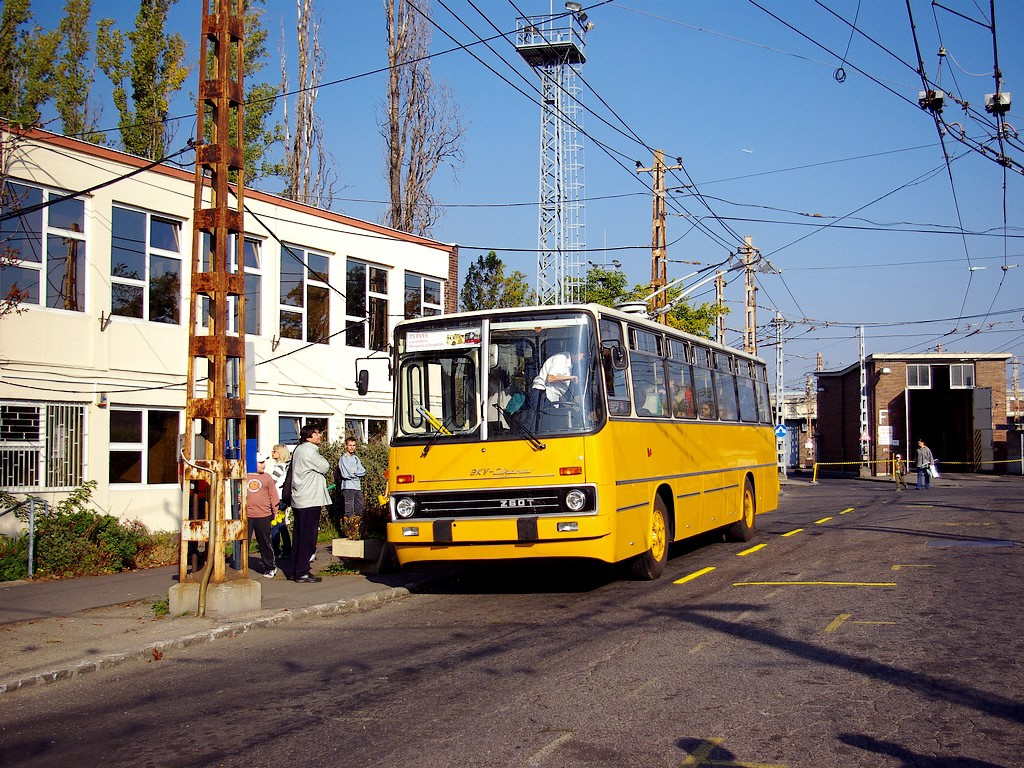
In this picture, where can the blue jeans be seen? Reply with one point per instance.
(922, 474)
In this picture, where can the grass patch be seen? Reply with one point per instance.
(160, 608)
(335, 569)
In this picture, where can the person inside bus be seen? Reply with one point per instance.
(553, 380)
(654, 401)
(551, 385)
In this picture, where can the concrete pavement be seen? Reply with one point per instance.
(54, 630)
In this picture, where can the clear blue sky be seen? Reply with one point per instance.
(773, 142)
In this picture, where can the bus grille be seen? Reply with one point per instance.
(518, 501)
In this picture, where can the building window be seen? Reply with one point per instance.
(41, 445)
(45, 249)
(144, 446)
(145, 266)
(961, 376)
(366, 306)
(253, 256)
(288, 428)
(919, 376)
(305, 300)
(422, 296)
(367, 430)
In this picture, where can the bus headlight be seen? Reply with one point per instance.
(575, 500)
(405, 507)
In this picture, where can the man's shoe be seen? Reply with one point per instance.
(270, 574)
(308, 579)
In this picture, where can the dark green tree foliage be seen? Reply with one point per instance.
(26, 64)
(608, 288)
(72, 79)
(144, 78)
(487, 287)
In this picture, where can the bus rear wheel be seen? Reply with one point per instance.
(651, 563)
(743, 529)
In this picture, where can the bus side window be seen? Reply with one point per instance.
(614, 380)
(684, 405)
(703, 386)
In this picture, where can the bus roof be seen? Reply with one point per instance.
(592, 309)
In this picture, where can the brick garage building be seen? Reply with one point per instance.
(955, 402)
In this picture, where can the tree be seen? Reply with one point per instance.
(486, 286)
(260, 100)
(604, 286)
(26, 64)
(423, 127)
(608, 288)
(72, 80)
(306, 181)
(154, 70)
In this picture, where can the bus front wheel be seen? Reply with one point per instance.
(651, 563)
(743, 529)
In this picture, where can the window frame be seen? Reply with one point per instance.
(149, 253)
(145, 447)
(202, 320)
(299, 421)
(46, 446)
(962, 368)
(422, 305)
(372, 329)
(313, 280)
(42, 268)
(917, 367)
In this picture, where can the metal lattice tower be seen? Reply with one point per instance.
(553, 46)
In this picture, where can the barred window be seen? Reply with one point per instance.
(41, 445)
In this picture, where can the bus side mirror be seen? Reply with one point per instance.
(618, 355)
(362, 381)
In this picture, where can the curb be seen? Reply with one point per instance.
(153, 651)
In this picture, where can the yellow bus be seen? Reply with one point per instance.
(572, 432)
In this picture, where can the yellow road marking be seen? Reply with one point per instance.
(848, 509)
(792, 533)
(865, 621)
(699, 756)
(823, 520)
(843, 617)
(837, 622)
(700, 646)
(694, 575)
(750, 551)
(898, 567)
(969, 525)
(814, 584)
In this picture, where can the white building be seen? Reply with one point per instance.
(92, 374)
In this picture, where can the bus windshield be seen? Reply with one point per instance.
(506, 378)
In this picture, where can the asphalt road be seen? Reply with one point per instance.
(872, 629)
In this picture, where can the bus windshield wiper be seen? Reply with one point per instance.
(521, 429)
(437, 424)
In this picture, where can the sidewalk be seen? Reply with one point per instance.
(54, 630)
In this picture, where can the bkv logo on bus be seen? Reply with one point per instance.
(499, 471)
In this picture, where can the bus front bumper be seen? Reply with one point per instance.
(501, 538)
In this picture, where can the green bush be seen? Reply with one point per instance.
(72, 539)
(14, 557)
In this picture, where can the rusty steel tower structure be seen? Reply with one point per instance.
(553, 46)
(213, 512)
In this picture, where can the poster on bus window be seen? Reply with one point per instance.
(423, 341)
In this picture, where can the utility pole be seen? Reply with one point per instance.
(720, 300)
(865, 438)
(750, 257)
(215, 400)
(659, 270)
(780, 442)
